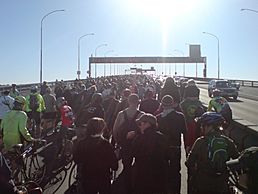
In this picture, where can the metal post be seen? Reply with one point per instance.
(41, 43)
(101, 45)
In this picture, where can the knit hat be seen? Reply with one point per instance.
(146, 117)
(167, 100)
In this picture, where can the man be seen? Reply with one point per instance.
(150, 150)
(191, 90)
(49, 116)
(35, 105)
(13, 126)
(206, 161)
(149, 104)
(172, 124)
(124, 131)
(192, 108)
(220, 105)
(14, 92)
(6, 104)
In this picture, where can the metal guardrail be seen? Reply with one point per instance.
(248, 83)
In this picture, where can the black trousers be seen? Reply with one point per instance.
(174, 175)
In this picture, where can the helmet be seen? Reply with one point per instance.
(20, 99)
(211, 118)
(60, 101)
(216, 92)
(34, 88)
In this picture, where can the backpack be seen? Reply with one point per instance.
(126, 126)
(34, 103)
(218, 153)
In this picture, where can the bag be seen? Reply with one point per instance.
(126, 126)
(218, 153)
(34, 103)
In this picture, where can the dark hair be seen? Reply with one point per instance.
(95, 126)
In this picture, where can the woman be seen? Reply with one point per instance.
(96, 158)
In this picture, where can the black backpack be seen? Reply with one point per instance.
(126, 126)
(34, 102)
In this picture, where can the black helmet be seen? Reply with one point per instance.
(216, 92)
(211, 118)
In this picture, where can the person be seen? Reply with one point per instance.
(67, 117)
(50, 113)
(124, 131)
(220, 105)
(6, 104)
(206, 161)
(96, 158)
(149, 104)
(192, 107)
(93, 109)
(14, 92)
(35, 105)
(191, 90)
(150, 150)
(13, 126)
(123, 104)
(170, 88)
(172, 124)
(43, 88)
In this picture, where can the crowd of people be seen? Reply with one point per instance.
(135, 118)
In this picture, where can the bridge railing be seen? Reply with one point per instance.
(248, 83)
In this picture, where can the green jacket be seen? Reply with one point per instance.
(41, 101)
(14, 128)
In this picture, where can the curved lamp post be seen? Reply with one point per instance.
(110, 51)
(41, 39)
(79, 61)
(250, 10)
(101, 45)
(218, 51)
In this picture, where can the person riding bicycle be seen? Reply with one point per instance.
(13, 126)
(220, 105)
(35, 105)
(206, 161)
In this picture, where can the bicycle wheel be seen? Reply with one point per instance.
(72, 175)
(37, 169)
(55, 182)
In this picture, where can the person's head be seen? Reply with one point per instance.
(60, 102)
(145, 121)
(190, 82)
(95, 126)
(96, 99)
(210, 121)
(169, 81)
(44, 83)
(6, 92)
(19, 103)
(13, 86)
(133, 100)
(216, 93)
(34, 89)
(126, 93)
(48, 90)
(167, 102)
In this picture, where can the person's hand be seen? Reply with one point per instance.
(130, 135)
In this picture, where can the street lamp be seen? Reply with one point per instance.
(41, 39)
(218, 51)
(101, 45)
(110, 51)
(79, 62)
(250, 10)
(179, 51)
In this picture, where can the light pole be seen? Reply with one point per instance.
(79, 50)
(41, 40)
(110, 51)
(179, 51)
(250, 10)
(101, 45)
(218, 51)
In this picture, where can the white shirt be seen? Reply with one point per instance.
(6, 104)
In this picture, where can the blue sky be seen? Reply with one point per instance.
(130, 28)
